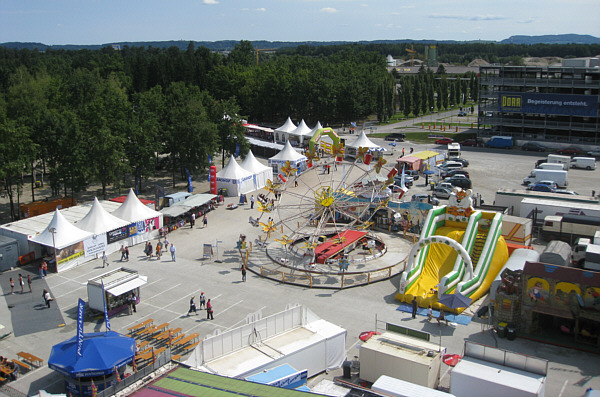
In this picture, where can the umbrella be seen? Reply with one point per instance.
(428, 172)
(454, 301)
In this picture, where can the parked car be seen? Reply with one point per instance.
(469, 142)
(533, 147)
(551, 184)
(462, 114)
(444, 141)
(446, 185)
(396, 136)
(442, 192)
(540, 187)
(570, 151)
(565, 191)
(460, 181)
(452, 173)
(594, 153)
(425, 198)
(464, 162)
(408, 180)
(413, 173)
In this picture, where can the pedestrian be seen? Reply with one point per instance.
(295, 182)
(166, 244)
(12, 286)
(414, 307)
(192, 220)
(411, 150)
(122, 252)
(429, 313)
(244, 273)
(202, 301)
(442, 317)
(21, 283)
(47, 297)
(45, 268)
(29, 282)
(209, 311)
(41, 269)
(402, 152)
(251, 201)
(173, 252)
(132, 302)
(192, 307)
(205, 221)
(158, 250)
(104, 259)
(127, 254)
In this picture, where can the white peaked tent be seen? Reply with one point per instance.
(260, 173)
(98, 220)
(132, 210)
(235, 179)
(288, 153)
(301, 133)
(362, 141)
(317, 127)
(60, 233)
(281, 133)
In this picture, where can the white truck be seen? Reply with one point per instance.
(570, 227)
(453, 149)
(587, 163)
(556, 176)
(560, 159)
(511, 198)
(586, 253)
(540, 209)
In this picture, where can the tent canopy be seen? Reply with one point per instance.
(133, 210)
(363, 141)
(60, 233)
(98, 220)
(302, 131)
(235, 179)
(288, 153)
(260, 172)
(102, 352)
(288, 126)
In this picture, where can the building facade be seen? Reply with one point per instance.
(553, 104)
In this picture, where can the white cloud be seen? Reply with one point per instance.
(329, 10)
(469, 18)
(210, 2)
(262, 9)
(528, 20)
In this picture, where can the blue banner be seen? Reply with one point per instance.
(80, 313)
(237, 150)
(190, 187)
(554, 104)
(106, 320)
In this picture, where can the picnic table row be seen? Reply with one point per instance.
(32, 361)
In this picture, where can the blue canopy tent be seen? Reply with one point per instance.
(102, 352)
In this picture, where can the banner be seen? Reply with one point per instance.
(213, 179)
(117, 234)
(189, 178)
(554, 104)
(95, 244)
(106, 320)
(80, 313)
(69, 253)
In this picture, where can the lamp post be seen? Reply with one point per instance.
(53, 230)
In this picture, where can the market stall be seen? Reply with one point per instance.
(235, 179)
(143, 222)
(102, 224)
(288, 153)
(282, 132)
(116, 288)
(260, 172)
(363, 142)
(178, 214)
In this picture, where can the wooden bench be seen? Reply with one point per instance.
(188, 347)
(167, 334)
(175, 339)
(187, 339)
(142, 344)
(31, 358)
(149, 331)
(2, 379)
(21, 363)
(140, 326)
(176, 357)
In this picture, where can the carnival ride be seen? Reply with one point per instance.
(460, 250)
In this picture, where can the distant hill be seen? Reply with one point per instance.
(228, 45)
(553, 39)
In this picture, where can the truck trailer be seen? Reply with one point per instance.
(570, 227)
(560, 159)
(557, 176)
(511, 198)
(539, 209)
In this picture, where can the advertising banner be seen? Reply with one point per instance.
(554, 104)
(95, 244)
(80, 313)
(117, 234)
(69, 253)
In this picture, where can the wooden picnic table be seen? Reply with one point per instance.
(148, 354)
(187, 339)
(166, 334)
(148, 330)
(140, 326)
(31, 358)
(175, 339)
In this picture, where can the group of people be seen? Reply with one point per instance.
(159, 249)
(21, 283)
(9, 368)
(204, 304)
(441, 318)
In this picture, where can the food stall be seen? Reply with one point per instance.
(116, 287)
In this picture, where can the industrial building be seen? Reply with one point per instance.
(556, 104)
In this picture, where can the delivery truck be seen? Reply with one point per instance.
(539, 209)
(586, 253)
(570, 227)
(501, 142)
(556, 176)
(511, 198)
(560, 159)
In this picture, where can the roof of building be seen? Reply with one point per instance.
(569, 274)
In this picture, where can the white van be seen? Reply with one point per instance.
(588, 163)
(556, 176)
(558, 158)
(551, 166)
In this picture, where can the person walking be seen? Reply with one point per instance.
(41, 269)
(45, 268)
(21, 283)
(251, 201)
(132, 302)
(29, 282)
(192, 307)
(104, 259)
(127, 254)
(244, 273)
(209, 311)
(192, 220)
(12, 286)
(166, 244)
(202, 301)
(429, 313)
(122, 252)
(158, 250)
(205, 221)
(173, 252)
(47, 297)
(414, 307)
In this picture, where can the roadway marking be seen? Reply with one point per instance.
(562, 390)
(222, 311)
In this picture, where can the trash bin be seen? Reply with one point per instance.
(502, 330)
(347, 366)
(511, 333)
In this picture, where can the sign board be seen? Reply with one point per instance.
(117, 234)
(553, 104)
(208, 251)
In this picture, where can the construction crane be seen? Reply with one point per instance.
(263, 49)
(411, 51)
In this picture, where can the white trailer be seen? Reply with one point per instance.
(511, 198)
(389, 386)
(540, 209)
(560, 159)
(538, 175)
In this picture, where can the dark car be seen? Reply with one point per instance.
(464, 162)
(444, 141)
(413, 173)
(460, 181)
(462, 114)
(396, 136)
(452, 173)
(533, 147)
(469, 142)
(570, 151)
(540, 187)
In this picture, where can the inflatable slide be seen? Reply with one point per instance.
(459, 250)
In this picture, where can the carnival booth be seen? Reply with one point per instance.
(300, 135)
(65, 241)
(288, 153)
(106, 228)
(143, 222)
(101, 354)
(282, 132)
(198, 204)
(260, 172)
(363, 142)
(114, 288)
(235, 179)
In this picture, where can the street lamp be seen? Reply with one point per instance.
(53, 230)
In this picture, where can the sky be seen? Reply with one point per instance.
(106, 21)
